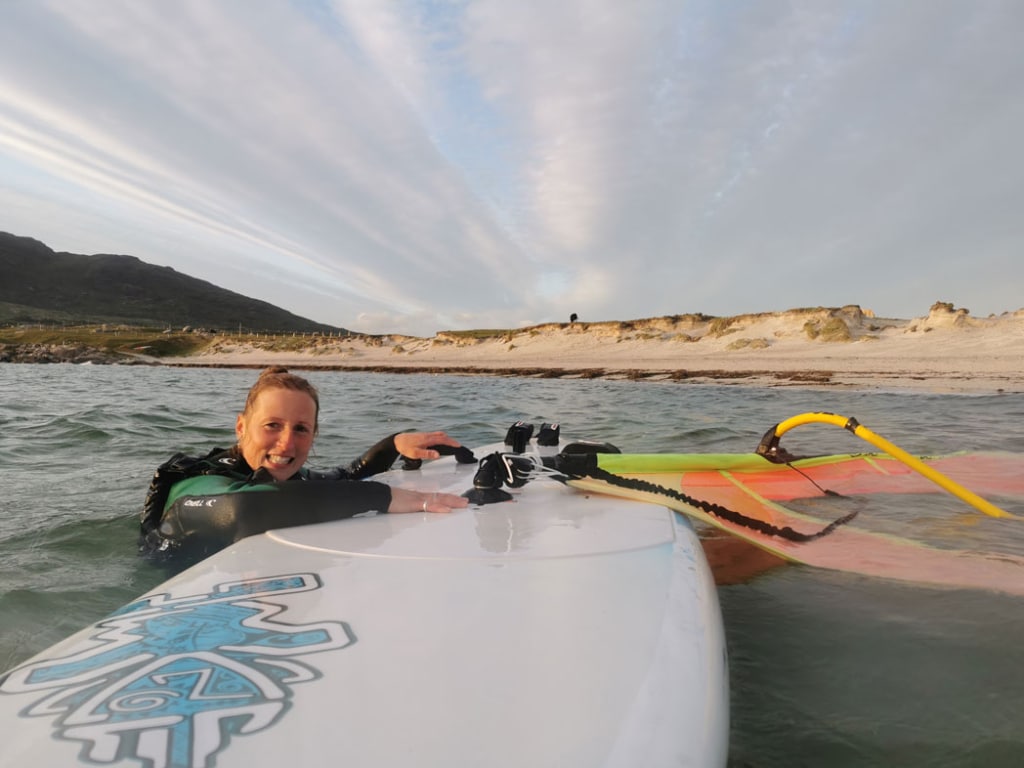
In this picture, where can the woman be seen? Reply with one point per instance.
(196, 506)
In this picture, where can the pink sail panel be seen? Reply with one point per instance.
(755, 494)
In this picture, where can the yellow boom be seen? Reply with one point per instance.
(770, 443)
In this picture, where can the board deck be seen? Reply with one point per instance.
(559, 628)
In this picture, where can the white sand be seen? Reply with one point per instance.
(945, 351)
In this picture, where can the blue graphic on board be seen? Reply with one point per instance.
(169, 681)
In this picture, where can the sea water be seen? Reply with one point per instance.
(826, 669)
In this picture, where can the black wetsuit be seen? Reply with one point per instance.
(198, 505)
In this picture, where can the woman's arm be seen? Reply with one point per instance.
(224, 518)
(412, 445)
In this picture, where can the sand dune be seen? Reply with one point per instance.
(945, 350)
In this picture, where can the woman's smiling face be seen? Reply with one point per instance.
(277, 432)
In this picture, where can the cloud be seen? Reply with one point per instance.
(416, 166)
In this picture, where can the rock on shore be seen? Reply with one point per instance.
(60, 353)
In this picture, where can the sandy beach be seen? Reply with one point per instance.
(946, 350)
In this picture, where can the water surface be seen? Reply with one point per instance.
(826, 669)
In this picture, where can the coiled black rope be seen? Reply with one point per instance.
(717, 510)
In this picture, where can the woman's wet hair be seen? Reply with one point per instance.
(278, 377)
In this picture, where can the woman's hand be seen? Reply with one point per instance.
(416, 445)
(403, 500)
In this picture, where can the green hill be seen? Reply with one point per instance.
(40, 285)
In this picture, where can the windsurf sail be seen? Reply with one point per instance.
(769, 447)
(818, 510)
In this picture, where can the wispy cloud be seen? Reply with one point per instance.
(419, 165)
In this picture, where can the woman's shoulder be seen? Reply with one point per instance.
(181, 467)
(218, 460)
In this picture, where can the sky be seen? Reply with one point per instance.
(416, 166)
